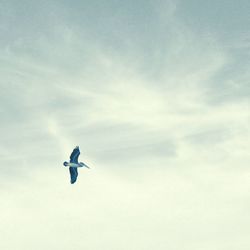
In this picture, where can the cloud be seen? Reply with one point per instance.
(102, 206)
(159, 110)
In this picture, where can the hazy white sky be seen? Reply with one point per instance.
(156, 94)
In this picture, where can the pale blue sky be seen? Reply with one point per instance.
(156, 94)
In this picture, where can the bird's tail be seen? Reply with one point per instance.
(65, 164)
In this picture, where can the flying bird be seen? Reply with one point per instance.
(74, 164)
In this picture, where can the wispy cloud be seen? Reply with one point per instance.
(160, 110)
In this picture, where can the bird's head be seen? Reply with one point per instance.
(84, 165)
(65, 164)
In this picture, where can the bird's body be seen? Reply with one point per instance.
(74, 164)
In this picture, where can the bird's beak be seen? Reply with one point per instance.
(86, 166)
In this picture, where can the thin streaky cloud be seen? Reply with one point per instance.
(156, 95)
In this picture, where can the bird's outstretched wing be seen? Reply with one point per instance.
(73, 175)
(74, 155)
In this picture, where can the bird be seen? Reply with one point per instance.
(74, 164)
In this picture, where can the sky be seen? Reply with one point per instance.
(157, 96)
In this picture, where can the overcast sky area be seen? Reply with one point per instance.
(157, 96)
